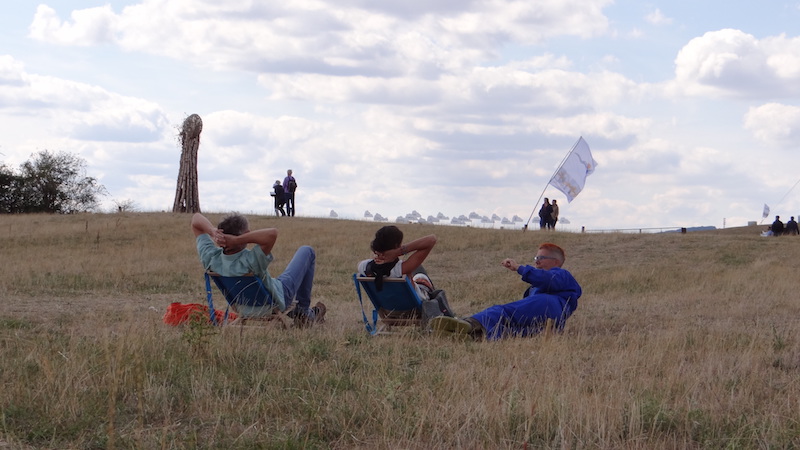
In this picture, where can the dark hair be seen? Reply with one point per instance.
(387, 238)
(234, 224)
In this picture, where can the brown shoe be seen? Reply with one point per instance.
(302, 319)
(319, 312)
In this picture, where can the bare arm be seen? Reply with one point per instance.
(421, 247)
(264, 238)
(201, 225)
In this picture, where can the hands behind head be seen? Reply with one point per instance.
(387, 256)
(382, 257)
(220, 238)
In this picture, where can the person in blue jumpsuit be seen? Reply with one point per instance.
(553, 294)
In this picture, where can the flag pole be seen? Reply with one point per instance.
(536, 205)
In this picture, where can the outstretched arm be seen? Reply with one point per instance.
(510, 264)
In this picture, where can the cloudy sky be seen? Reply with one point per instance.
(691, 108)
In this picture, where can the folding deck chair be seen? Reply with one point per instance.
(244, 291)
(397, 304)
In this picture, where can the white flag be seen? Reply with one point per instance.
(572, 174)
(766, 211)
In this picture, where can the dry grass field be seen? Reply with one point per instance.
(680, 341)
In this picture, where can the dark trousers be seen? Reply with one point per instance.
(290, 204)
(279, 209)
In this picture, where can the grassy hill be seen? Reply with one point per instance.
(680, 341)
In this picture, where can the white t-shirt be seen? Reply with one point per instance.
(396, 272)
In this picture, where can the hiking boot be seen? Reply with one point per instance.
(451, 327)
(319, 312)
(302, 319)
(292, 311)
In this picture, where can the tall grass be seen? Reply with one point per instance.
(680, 341)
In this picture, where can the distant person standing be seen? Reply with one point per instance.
(791, 227)
(777, 226)
(554, 215)
(289, 186)
(280, 197)
(544, 214)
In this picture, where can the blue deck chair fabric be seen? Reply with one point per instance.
(246, 295)
(396, 304)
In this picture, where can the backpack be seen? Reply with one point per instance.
(292, 185)
(436, 306)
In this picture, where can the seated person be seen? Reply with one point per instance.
(223, 249)
(387, 248)
(553, 294)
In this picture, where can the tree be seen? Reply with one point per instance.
(49, 183)
(126, 205)
(10, 190)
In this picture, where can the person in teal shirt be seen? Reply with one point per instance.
(224, 249)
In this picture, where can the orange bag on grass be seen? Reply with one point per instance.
(178, 313)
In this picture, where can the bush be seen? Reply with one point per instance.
(49, 183)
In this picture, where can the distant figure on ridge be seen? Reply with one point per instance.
(777, 226)
(791, 227)
(280, 197)
(554, 215)
(289, 186)
(545, 213)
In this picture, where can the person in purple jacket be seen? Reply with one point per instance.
(289, 187)
(553, 294)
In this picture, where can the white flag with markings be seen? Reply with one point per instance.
(571, 176)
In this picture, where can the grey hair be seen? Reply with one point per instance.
(235, 224)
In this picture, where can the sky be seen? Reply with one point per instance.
(691, 109)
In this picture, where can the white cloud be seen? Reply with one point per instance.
(75, 116)
(89, 26)
(658, 18)
(774, 123)
(323, 37)
(11, 72)
(85, 112)
(731, 62)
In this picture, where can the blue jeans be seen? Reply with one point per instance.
(298, 278)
